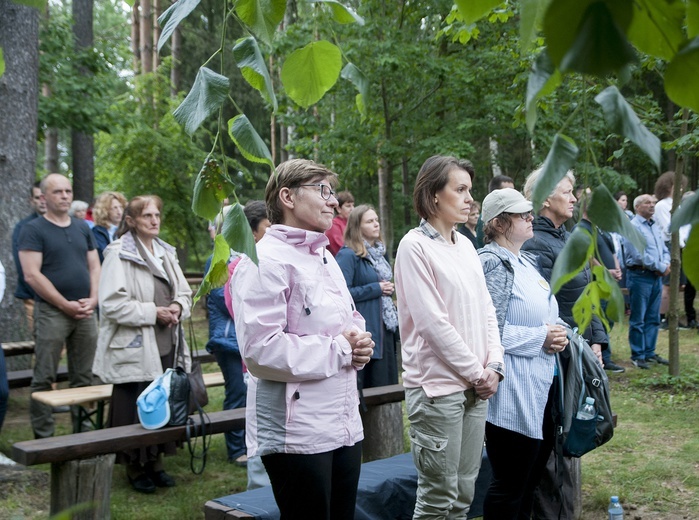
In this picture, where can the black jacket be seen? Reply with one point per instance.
(547, 243)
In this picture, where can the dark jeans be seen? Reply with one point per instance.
(231, 365)
(4, 388)
(689, 294)
(321, 486)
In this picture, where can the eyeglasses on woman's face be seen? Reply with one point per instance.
(325, 191)
(524, 216)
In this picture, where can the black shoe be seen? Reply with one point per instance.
(142, 483)
(682, 326)
(639, 363)
(613, 367)
(663, 325)
(693, 324)
(658, 359)
(162, 479)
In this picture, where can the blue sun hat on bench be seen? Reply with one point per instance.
(153, 403)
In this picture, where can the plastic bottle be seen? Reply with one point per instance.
(587, 411)
(616, 512)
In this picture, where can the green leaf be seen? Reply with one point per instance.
(217, 275)
(36, 4)
(572, 258)
(588, 305)
(355, 76)
(687, 213)
(559, 160)
(262, 16)
(341, 13)
(692, 18)
(592, 41)
(682, 76)
(611, 293)
(172, 17)
(210, 188)
(543, 79)
(249, 141)
(531, 12)
(622, 120)
(236, 230)
(252, 65)
(308, 73)
(605, 213)
(206, 97)
(474, 10)
(690, 257)
(657, 27)
(2, 63)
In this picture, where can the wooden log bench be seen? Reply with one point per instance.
(17, 348)
(82, 463)
(91, 400)
(23, 378)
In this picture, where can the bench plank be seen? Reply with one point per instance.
(17, 348)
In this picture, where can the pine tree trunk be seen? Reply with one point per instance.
(175, 46)
(157, 11)
(146, 36)
(19, 98)
(136, 35)
(83, 146)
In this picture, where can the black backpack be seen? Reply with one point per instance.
(581, 376)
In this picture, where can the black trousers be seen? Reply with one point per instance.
(322, 486)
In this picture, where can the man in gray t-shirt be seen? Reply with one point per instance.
(60, 263)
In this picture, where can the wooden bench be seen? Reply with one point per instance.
(23, 378)
(84, 396)
(82, 463)
(17, 348)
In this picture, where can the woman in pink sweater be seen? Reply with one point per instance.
(452, 356)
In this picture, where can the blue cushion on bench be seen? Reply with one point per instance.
(386, 491)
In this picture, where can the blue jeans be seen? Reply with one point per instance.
(446, 440)
(645, 289)
(232, 369)
(4, 388)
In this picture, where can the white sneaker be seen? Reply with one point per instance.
(5, 461)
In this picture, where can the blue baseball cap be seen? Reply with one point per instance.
(153, 406)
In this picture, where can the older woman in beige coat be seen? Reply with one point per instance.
(143, 296)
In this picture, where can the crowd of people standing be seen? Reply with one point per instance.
(466, 311)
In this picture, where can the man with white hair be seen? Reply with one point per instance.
(644, 273)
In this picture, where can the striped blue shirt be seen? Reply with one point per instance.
(521, 398)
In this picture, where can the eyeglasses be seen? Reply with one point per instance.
(524, 216)
(325, 191)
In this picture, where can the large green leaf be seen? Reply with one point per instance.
(543, 79)
(236, 230)
(690, 257)
(474, 10)
(559, 160)
(252, 66)
(692, 18)
(210, 188)
(2, 63)
(531, 14)
(592, 40)
(611, 292)
(262, 16)
(687, 213)
(355, 76)
(217, 275)
(605, 213)
(249, 141)
(341, 13)
(682, 76)
(589, 304)
(308, 73)
(572, 259)
(206, 96)
(622, 120)
(657, 27)
(172, 17)
(40, 5)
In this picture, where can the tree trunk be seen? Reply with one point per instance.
(157, 11)
(19, 98)
(136, 35)
(146, 37)
(385, 175)
(51, 150)
(175, 47)
(83, 144)
(406, 191)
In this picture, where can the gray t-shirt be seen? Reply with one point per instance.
(64, 251)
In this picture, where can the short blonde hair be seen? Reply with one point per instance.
(534, 176)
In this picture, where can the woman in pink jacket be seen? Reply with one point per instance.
(303, 342)
(452, 356)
